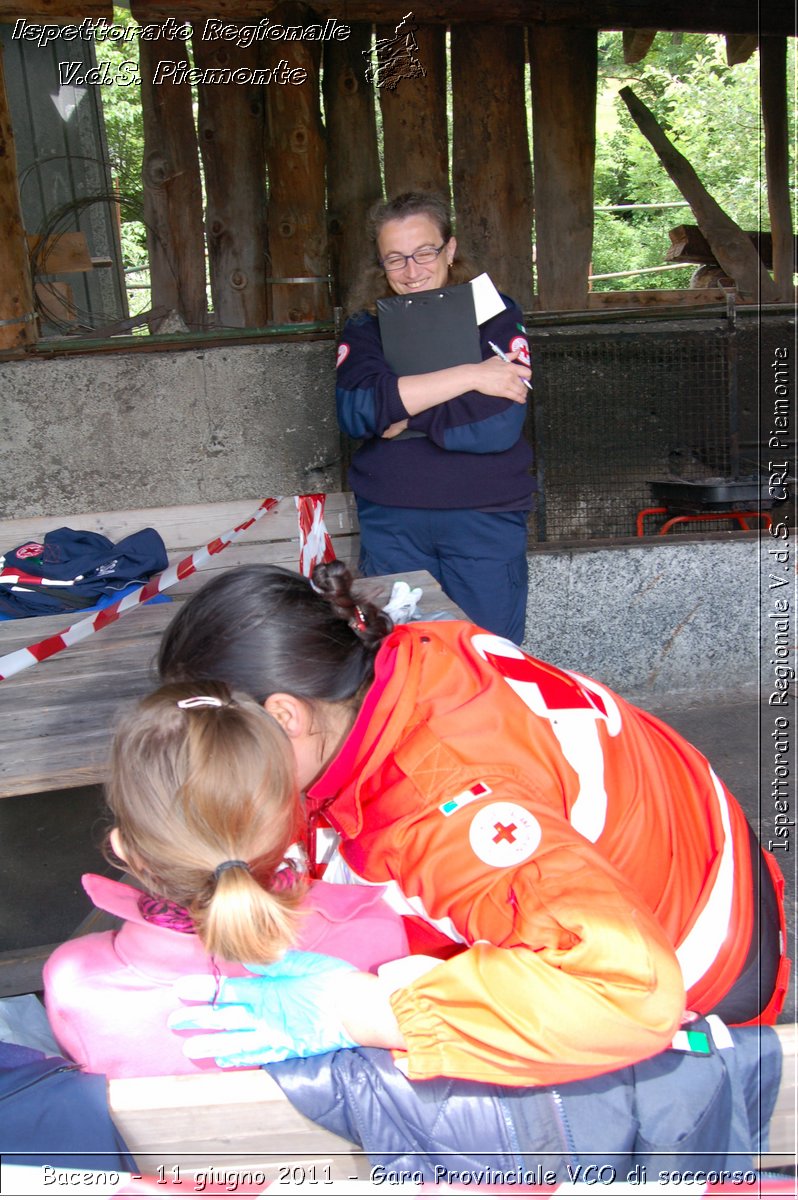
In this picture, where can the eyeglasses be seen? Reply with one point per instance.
(398, 262)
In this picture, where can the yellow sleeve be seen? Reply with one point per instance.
(577, 980)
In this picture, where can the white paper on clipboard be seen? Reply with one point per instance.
(487, 301)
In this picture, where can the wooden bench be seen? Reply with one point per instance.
(238, 1119)
(55, 717)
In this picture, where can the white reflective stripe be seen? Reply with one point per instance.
(582, 749)
(338, 871)
(721, 1036)
(576, 730)
(701, 946)
(326, 846)
(611, 714)
(577, 733)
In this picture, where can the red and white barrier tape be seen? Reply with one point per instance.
(314, 545)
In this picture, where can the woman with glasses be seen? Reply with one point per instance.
(442, 477)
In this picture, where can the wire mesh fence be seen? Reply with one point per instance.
(617, 407)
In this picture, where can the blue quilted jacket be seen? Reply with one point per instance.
(679, 1111)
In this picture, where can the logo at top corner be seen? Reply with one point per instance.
(396, 57)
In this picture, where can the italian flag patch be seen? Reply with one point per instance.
(476, 792)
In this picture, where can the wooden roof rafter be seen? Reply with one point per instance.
(682, 16)
(638, 42)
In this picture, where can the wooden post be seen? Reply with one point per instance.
(59, 12)
(231, 139)
(172, 190)
(564, 66)
(353, 166)
(416, 143)
(740, 47)
(18, 325)
(729, 243)
(491, 168)
(773, 91)
(295, 157)
(636, 44)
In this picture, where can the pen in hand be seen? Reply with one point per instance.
(500, 354)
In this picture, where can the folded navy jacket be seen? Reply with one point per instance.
(76, 569)
(53, 1113)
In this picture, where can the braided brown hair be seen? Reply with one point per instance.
(263, 629)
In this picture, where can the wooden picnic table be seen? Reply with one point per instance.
(56, 718)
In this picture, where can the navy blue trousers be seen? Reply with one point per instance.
(478, 558)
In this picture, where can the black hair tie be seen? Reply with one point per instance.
(228, 864)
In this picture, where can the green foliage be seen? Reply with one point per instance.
(125, 137)
(626, 242)
(710, 112)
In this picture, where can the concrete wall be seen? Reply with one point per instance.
(671, 617)
(91, 432)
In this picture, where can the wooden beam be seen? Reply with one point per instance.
(491, 168)
(656, 298)
(564, 67)
(236, 1116)
(21, 970)
(353, 165)
(740, 47)
(773, 90)
(637, 43)
(413, 108)
(242, 1117)
(688, 244)
(712, 16)
(729, 244)
(231, 129)
(295, 157)
(57, 12)
(172, 189)
(17, 314)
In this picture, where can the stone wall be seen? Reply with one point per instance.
(666, 617)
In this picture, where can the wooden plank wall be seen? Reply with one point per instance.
(321, 167)
(61, 161)
(289, 174)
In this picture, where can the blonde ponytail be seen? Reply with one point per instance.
(244, 922)
(202, 778)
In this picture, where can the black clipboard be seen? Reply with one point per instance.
(427, 331)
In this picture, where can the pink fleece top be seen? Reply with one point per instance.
(108, 995)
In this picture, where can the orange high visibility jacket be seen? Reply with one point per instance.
(586, 857)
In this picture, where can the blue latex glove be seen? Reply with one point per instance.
(283, 1013)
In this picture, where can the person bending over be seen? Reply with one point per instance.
(587, 878)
